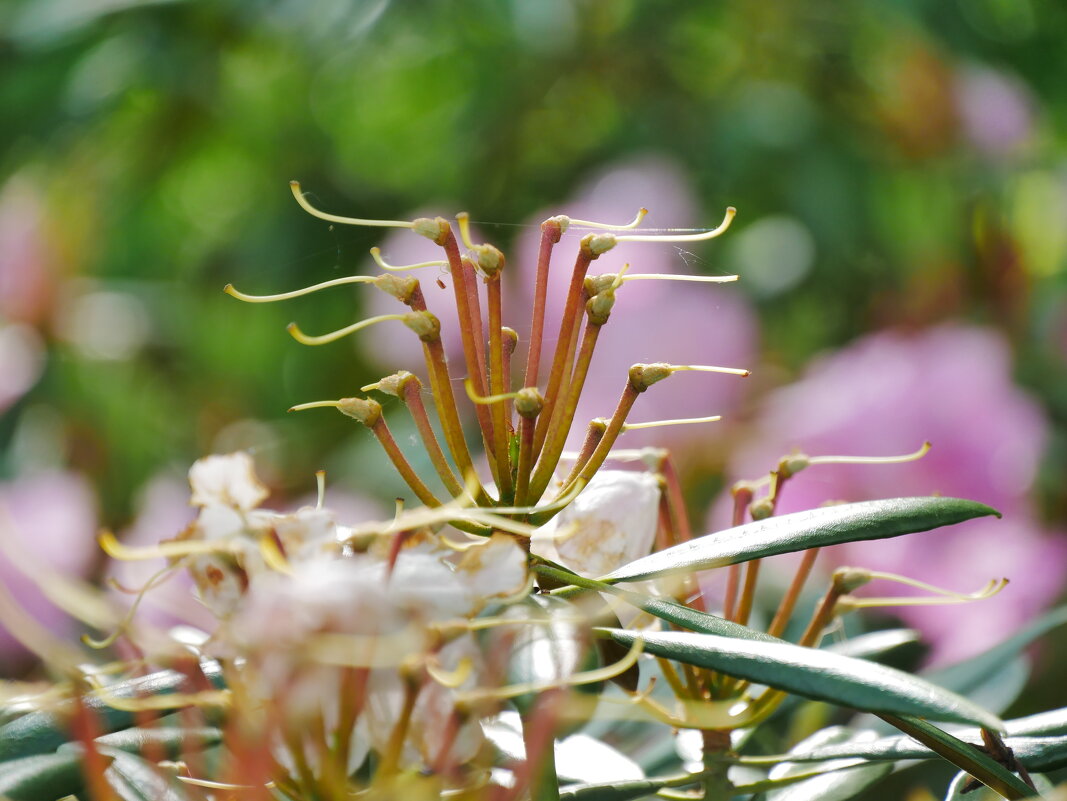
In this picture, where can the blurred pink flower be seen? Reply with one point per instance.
(52, 517)
(996, 110)
(27, 280)
(651, 321)
(887, 393)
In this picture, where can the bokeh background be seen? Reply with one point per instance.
(900, 172)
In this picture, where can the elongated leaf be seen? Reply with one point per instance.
(815, 674)
(135, 779)
(671, 611)
(44, 732)
(964, 756)
(39, 777)
(627, 790)
(875, 643)
(870, 520)
(1052, 722)
(836, 785)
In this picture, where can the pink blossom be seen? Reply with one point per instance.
(996, 110)
(887, 393)
(51, 517)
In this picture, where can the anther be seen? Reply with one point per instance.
(393, 384)
(295, 186)
(436, 230)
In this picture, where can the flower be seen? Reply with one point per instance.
(885, 394)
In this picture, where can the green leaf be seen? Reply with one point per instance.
(835, 785)
(870, 520)
(812, 673)
(671, 611)
(627, 790)
(43, 776)
(44, 732)
(963, 755)
(874, 643)
(135, 779)
(1053, 721)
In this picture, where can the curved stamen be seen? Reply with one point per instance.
(907, 457)
(314, 212)
(629, 226)
(166, 550)
(340, 333)
(464, 220)
(376, 254)
(450, 678)
(486, 400)
(296, 293)
(714, 232)
(320, 487)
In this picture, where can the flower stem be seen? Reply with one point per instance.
(551, 231)
(400, 462)
(413, 400)
(498, 385)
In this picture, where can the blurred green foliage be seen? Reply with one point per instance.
(158, 139)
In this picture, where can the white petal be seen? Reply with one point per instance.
(612, 522)
(228, 480)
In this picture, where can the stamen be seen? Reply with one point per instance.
(706, 279)
(587, 224)
(943, 596)
(675, 368)
(486, 400)
(320, 484)
(464, 220)
(296, 293)
(679, 422)
(314, 212)
(210, 785)
(162, 702)
(908, 457)
(726, 220)
(157, 578)
(164, 550)
(450, 678)
(574, 680)
(272, 554)
(340, 333)
(376, 254)
(300, 407)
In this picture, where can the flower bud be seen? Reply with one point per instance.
(365, 410)
(489, 259)
(599, 307)
(436, 230)
(394, 384)
(642, 376)
(761, 509)
(847, 579)
(529, 402)
(401, 287)
(510, 340)
(424, 324)
(594, 245)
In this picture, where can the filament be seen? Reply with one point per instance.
(908, 457)
(451, 678)
(709, 369)
(679, 422)
(706, 279)
(296, 293)
(486, 400)
(157, 578)
(320, 485)
(340, 333)
(376, 253)
(165, 550)
(714, 232)
(464, 220)
(630, 225)
(300, 407)
(314, 212)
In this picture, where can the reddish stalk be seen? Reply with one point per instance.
(742, 498)
(498, 386)
(550, 235)
(400, 462)
(413, 400)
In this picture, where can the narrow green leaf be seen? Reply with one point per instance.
(627, 790)
(43, 776)
(816, 674)
(44, 732)
(874, 643)
(870, 520)
(671, 611)
(135, 779)
(1051, 722)
(963, 755)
